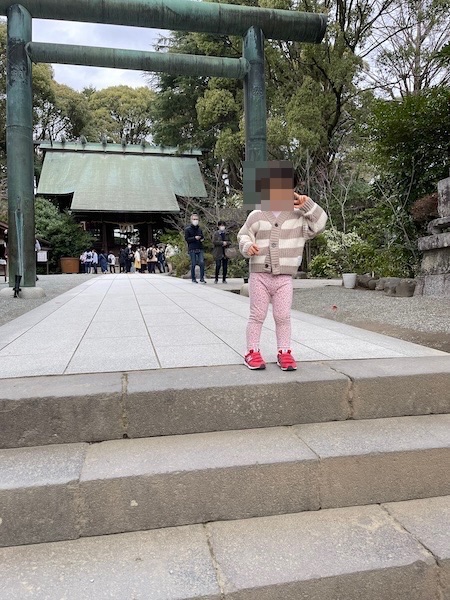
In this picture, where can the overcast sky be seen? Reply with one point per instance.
(89, 34)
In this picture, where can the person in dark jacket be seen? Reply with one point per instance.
(129, 257)
(194, 238)
(103, 261)
(221, 240)
(122, 259)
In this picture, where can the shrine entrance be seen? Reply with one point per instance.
(253, 24)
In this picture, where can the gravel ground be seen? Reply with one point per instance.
(422, 320)
(53, 285)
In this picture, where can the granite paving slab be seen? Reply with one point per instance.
(132, 322)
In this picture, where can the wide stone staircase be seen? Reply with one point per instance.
(330, 483)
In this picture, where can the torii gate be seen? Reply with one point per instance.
(252, 24)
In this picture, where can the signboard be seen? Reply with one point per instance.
(42, 256)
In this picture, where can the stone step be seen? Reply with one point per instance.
(67, 491)
(395, 551)
(39, 411)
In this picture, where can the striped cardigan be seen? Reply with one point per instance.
(280, 239)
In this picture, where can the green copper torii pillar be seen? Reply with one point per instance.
(255, 97)
(19, 142)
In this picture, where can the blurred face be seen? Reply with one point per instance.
(280, 195)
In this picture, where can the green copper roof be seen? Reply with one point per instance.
(117, 148)
(120, 182)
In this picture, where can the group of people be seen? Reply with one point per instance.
(137, 259)
(146, 260)
(91, 261)
(194, 237)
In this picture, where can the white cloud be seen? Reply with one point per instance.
(90, 34)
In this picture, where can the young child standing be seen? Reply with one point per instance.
(273, 239)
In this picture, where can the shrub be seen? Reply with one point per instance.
(238, 267)
(182, 263)
(322, 266)
(66, 236)
(341, 253)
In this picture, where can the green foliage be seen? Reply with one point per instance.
(305, 116)
(411, 152)
(119, 112)
(341, 253)
(216, 106)
(229, 145)
(312, 98)
(57, 108)
(3, 209)
(390, 231)
(66, 236)
(238, 267)
(378, 244)
(172, 237)
(181, 263)
(411, 140)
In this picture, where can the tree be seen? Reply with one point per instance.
(119, 112)
(66, 236)
(411, 141)
(58, 109)
(313, 99)
(409, 42)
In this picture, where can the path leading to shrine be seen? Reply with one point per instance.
(118, 323)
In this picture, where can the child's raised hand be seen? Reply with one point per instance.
(253, 250)
(300, 199)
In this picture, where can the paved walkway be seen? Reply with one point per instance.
(136, 322)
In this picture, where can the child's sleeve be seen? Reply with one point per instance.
(246, 237)
(315, 217)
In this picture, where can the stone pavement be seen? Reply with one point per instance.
(138, 322)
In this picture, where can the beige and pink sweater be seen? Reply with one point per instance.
(280, 239)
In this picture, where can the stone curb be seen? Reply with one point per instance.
(96, 407)
(356, 553)
(67, 491)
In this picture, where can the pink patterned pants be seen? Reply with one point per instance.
(264, 287)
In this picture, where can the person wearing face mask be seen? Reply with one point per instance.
(194, 238)
(129, 257)
(221, 240)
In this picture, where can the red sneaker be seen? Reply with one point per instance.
(286, 361)
(254, 360)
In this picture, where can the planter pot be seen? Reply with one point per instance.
(70, 265)
(349, 280)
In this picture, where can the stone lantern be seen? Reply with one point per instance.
(434, 279)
